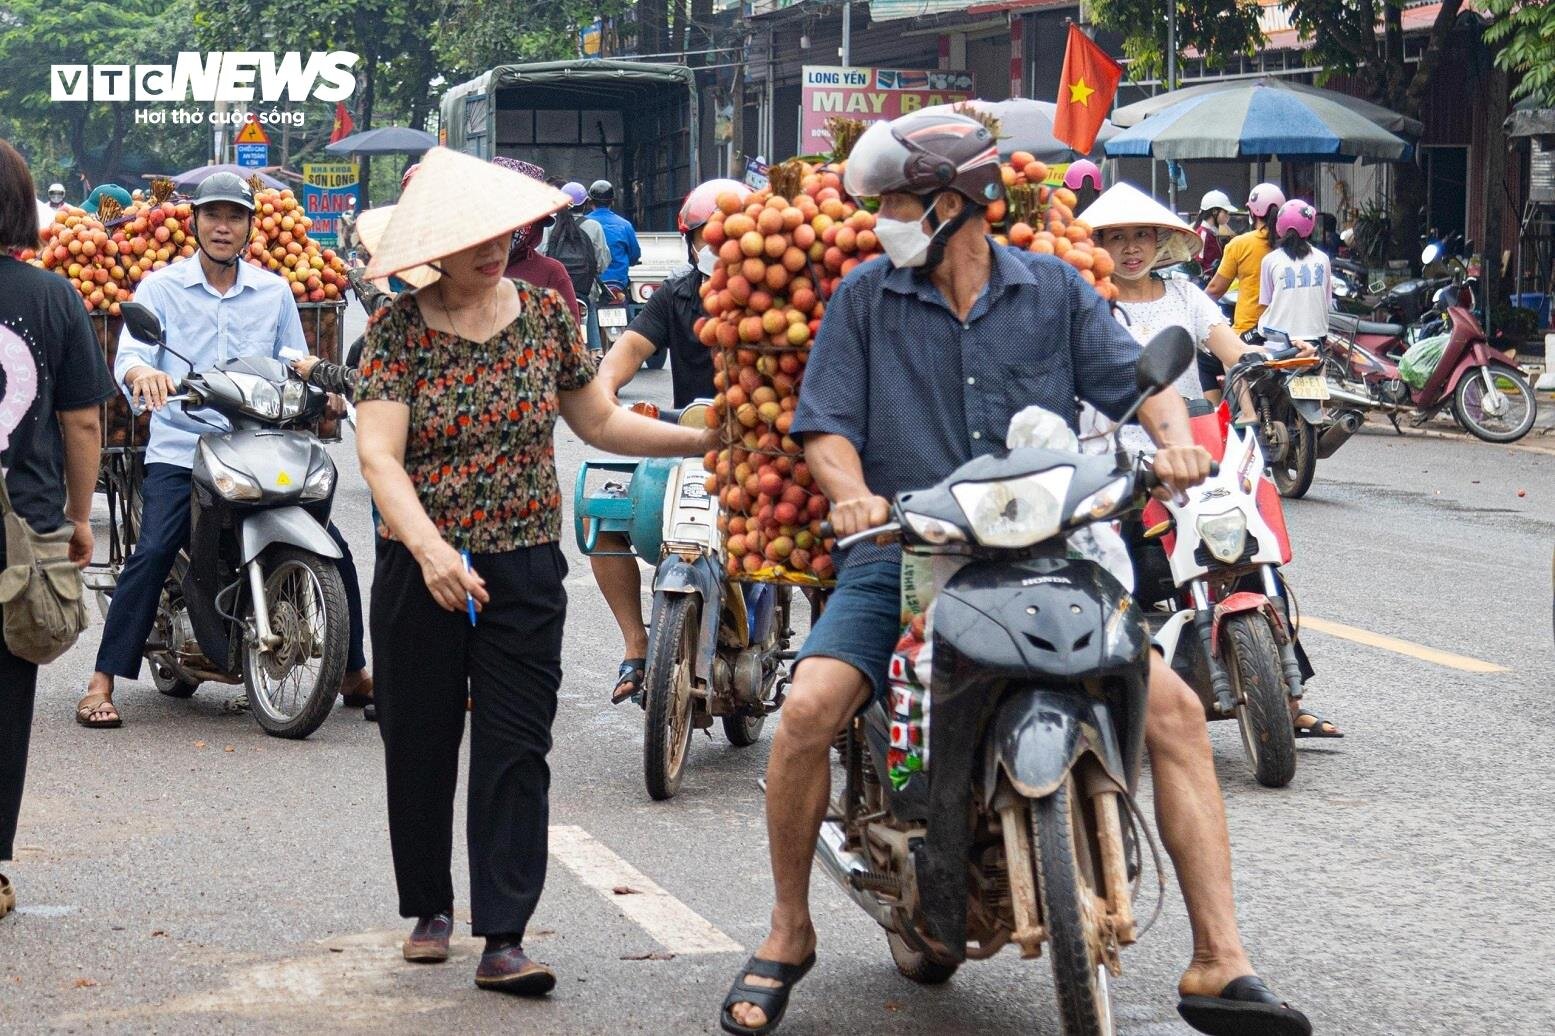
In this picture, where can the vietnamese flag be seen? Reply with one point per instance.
(1085, 91)
(344, 125)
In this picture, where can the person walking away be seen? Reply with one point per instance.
(1139, 233)
(214, 306)
(1239, 265)
(666, 323)
(461, 385)
(1211, 226)
(625, 252)
(914, 373)
(50, 443)
(525, 261)
(579, 244)
(1295, 281)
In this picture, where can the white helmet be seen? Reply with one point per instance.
(56, 188)
(1215, 200)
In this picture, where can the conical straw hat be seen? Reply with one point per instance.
(1124, 205)
(370, 226)
(454, 202)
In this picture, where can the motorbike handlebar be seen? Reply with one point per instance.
(1151, 481)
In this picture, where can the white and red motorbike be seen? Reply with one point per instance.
(1210, 560)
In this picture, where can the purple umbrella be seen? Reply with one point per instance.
(187, 181)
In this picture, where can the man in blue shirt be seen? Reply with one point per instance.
(922, 359)
(620, 235)
(214, 307)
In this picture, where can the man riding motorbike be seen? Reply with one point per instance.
(214, 307)
(667, 322)
(921, 361)
(625, 252)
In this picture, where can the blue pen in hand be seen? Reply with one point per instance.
(469, 598)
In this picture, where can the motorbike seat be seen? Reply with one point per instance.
(1350, 326)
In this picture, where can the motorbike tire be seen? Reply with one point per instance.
(320, 698)
(1252, 659)
(1068, 874)
(667, 696)
(918, 967)
(1293, 473)
(1474, 380)
(742, 730)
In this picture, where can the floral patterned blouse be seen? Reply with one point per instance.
(482, 414)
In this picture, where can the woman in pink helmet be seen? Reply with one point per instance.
(1293, 280)
(1239, 265)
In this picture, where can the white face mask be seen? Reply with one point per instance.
(905, 242)
(707, 261)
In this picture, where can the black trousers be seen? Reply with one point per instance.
(18, 684)
(426, 661)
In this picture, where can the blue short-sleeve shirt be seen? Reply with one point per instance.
(918, 392)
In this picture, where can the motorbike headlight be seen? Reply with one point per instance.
(292, 395)
(259, 396)
(231, 483)
(1015, 512)
(933, 530)
(320, 482)
(1224, 534)
(1100, 503)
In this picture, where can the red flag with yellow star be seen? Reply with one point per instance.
(1085, 91)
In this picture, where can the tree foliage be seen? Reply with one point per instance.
(1221, 30)
(481, 33)
(1525, 33)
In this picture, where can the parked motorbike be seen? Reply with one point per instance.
(255, 598)
(1482, 385)
(1023, 828)
(1222, 545)
(1288, 392)
(715, 649)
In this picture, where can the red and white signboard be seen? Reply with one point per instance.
(870, 95)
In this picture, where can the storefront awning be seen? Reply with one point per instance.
(894, 10)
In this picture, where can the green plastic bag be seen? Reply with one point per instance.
(1421, 359)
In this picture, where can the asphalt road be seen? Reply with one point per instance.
(188, 874)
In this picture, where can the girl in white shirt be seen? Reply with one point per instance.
(1295, 281)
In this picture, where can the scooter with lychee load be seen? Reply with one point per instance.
(717, 649)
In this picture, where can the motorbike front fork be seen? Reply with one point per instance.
(267, 639)
(1204, 623)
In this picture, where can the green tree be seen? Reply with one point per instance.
(1526, 35)
(479, 34)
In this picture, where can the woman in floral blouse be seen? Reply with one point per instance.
(461, 385)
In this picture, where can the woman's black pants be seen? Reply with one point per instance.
(18, 683)
(426, 661)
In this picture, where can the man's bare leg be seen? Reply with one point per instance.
(1191, 817)
(621, 584)
(825, 695)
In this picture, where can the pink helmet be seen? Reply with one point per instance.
(1296, 215)
(702, 202)
(1264, 198)
(1079, 172)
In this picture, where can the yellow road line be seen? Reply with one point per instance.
(1402, 647)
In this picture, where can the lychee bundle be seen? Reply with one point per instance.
(1039, 217)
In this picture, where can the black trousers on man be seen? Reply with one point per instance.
(18, 684)
(426, 662)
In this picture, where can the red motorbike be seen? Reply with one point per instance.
(1487, 393)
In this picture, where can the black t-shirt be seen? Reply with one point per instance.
(669, 322)
(51, 360)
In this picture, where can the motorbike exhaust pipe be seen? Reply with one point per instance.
(846, 867)
(1338, 394)
(1346, 423)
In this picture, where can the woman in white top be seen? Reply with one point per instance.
(1294, 279)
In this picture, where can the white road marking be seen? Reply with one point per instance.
(672, 924)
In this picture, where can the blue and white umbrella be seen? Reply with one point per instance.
(1254, 121)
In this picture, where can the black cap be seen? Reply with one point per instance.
(602, 190)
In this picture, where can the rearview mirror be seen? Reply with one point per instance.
(1431, 253)
(143, 323)
(1163, 360)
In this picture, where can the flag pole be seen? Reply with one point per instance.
(847, 33)
(1171, 84)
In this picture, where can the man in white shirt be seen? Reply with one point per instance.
(214, 307)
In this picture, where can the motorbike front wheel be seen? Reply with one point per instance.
(1069, 882)
(672, 646)
(292, 687)
(1252, 659)
(1293, 472)
(1504, 416)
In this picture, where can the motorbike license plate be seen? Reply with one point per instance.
(1308, 386)
(612, 316)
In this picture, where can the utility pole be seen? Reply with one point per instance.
(1171, 84)
(847, 34)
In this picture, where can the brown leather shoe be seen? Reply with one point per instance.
(509, 970)
(356, 690)
(428, 941)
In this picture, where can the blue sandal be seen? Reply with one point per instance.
(629, 680)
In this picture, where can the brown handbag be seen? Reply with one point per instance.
(41, 590)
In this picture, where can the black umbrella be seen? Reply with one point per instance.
(386, 140)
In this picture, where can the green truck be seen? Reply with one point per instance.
(632, 123)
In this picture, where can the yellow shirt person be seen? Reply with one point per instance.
(1241, 262)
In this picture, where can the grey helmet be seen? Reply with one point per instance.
(229, 187)
(602, 191)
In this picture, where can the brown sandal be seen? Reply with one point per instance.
(7, 895)
(92, 704)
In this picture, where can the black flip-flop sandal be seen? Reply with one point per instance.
(1316, 729)
(771, 1000)
(1246, 1007)
(629, 680)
